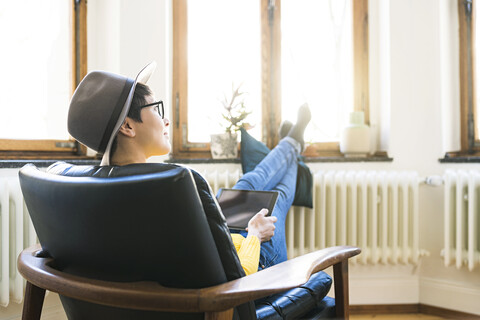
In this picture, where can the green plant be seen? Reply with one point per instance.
(235, 111)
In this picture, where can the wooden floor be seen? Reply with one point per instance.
(407, 316)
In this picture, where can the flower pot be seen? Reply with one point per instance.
(224, 146)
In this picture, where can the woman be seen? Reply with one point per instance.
(121, 118)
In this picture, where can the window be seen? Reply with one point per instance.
(283, 53)
(44, 60)
(469, 36)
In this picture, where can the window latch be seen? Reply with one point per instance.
(271, 12)
(177, 110)
(70, 145)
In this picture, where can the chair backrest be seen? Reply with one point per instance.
(142, 227)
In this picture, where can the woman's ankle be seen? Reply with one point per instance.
(298, 130)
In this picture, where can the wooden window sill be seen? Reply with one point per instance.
(460, 157)
(373, 158)
(43, 163)
(18, 163)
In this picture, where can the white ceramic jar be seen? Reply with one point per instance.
(355, 137)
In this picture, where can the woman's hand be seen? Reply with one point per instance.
(262, 226)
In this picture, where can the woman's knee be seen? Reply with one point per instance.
(285, 193)
(244, 184)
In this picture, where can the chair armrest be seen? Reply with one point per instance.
(278, 278)
(147, 295)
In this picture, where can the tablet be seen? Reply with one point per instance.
(239, 206)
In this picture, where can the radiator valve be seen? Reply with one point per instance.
(434, 181)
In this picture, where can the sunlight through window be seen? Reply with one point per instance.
(36, 69)
(223, 51)
(317, 64)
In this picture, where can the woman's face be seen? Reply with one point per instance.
(152, 132)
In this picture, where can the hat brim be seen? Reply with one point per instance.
(143, 76)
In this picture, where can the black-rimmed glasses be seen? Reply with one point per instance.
(160, 109)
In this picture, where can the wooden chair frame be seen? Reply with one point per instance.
(216, 302)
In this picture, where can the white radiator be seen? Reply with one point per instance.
(17, 233)
(376, 211)
(462, 222)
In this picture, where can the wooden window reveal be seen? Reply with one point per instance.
(470, 142)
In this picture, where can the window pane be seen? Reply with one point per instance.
(36, 69)
(223, 49)
(317, 64)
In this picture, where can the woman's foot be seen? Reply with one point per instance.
(303, 118)
(284, 129)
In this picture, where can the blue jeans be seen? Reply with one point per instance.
(277, 172)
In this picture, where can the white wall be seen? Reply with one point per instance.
(415, 101)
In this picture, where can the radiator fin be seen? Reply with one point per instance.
(17, 233)
(462, 242)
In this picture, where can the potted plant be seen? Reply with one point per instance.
(224, 145)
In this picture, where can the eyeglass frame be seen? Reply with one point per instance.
(161, 111)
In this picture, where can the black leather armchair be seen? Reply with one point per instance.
(120, 245)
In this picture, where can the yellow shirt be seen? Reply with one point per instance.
(248, 250)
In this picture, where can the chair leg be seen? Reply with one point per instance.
(32, 306)
(222, 315)
(340, 276)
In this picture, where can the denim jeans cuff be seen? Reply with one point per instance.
(294, 143)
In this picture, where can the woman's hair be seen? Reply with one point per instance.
(142, 91)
